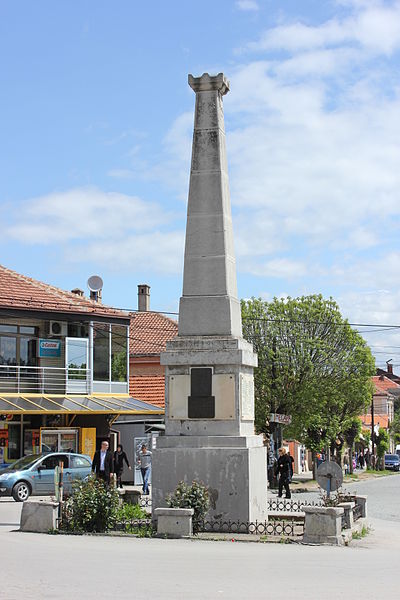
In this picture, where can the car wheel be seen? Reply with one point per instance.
(21, 491)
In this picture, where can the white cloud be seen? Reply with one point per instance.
(247, 5)
(82, 213)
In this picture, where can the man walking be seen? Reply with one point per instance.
(102, 464)
(283, 470)
(144, 461)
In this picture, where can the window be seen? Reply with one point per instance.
(101, 352)
(110, 351)
(51, 462)
(79, 462)
(18, 345)
(118, 353)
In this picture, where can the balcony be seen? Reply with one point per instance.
(44, 380)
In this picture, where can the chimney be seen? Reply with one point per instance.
(96, 296)
(389, 366)
(77, 292)
(143, 297)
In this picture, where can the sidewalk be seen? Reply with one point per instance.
(303, 482)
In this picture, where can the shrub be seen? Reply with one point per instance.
(191, 496)
(92, 507)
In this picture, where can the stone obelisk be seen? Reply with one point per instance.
(209, 425)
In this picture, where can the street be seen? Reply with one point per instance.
(61, 567)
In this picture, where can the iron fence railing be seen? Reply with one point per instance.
(44, 380)
(272, 527)
(286, 505)
(357, 512)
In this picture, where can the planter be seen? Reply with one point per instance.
(174, 522)
(39, 517)
(323, 525)
(348, 513)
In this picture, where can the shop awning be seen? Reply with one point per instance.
(96, 404)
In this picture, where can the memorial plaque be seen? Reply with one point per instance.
(201, 404)
(247, 396)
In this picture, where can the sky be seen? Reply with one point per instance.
(96, 120)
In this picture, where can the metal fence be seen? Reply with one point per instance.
(285, 505)
(44, 380)
(272, 527)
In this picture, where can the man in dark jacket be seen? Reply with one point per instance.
(102, 463)
(283, 467)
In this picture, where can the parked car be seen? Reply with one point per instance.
(34, 474)
(392, 461)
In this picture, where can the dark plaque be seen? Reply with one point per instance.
(201, 403)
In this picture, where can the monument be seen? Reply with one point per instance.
(209, 421)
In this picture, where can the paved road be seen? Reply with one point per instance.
(62, 567)
(383, 496)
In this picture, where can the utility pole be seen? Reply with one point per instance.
(373, 431)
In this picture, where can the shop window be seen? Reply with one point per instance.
(14, 441)
(8, 350)
(18, 345)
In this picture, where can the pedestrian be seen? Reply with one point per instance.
(283, 470)
(119, 458)
(291, 466)
(144, 462)
(102, 464)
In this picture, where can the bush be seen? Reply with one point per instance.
(92, 507)
(127, 512)
(191, 496)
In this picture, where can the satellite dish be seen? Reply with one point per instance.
(95, 283)
(329, 476)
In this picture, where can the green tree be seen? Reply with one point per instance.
(382, 446)
(350, 433)
(395, 428)
(312, 365)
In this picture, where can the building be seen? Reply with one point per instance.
(386, 390)
(64, 369)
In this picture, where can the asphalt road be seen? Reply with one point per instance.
(63, 567)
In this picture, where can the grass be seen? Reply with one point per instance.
(358, 535)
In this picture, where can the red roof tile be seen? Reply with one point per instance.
(148, 388)
(24, 293)
(381, 420)
(149, 332)
(384, 384)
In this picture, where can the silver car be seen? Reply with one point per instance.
(34, 475)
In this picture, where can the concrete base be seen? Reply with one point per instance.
(323, 526)
(39, 517)
(233, 468)
(174, 522)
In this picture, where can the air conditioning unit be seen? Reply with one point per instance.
(59, 328)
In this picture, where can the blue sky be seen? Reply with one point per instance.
(96, 121)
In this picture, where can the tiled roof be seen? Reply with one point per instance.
(149, 332)
(381, 420)
(384, 384)
(148, 388)
(391, 376)
(24, 293)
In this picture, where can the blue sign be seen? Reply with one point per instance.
(49, 348)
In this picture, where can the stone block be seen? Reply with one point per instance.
(362, 501)
(174, 522)
(39, 516)
(348, 513)
(323, 526)
(132, 496)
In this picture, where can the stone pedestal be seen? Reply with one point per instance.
(39, 517)
(323, 525)
(233, 469)
(174, 522)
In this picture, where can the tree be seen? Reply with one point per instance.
(350, 434)
(395, 428)
(382, 445)
(312, 365)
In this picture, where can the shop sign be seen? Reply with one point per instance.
(3, 438)
(277, 418)
(49, 348)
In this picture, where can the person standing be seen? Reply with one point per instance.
(144, 462)
(119, 458)
(102, 464)
(283, 467)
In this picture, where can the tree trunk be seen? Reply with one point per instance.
(351, 459)
(314, 464)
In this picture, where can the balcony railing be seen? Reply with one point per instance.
(44, 380)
